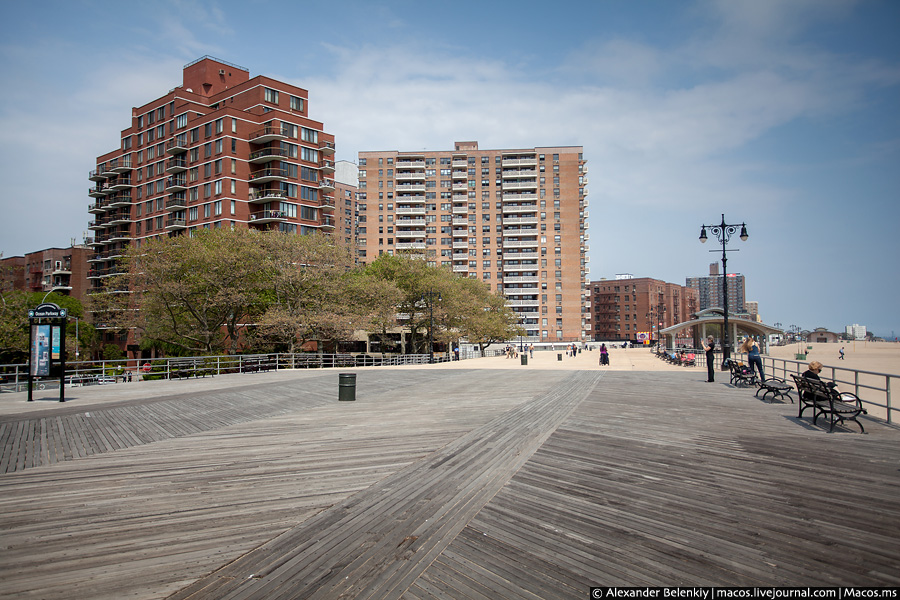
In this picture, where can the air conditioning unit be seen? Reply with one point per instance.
(221, 71)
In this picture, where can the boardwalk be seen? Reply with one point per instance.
(438, 482)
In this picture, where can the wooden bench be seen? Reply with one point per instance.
(741, 376)
(825, 399)
(779, 388)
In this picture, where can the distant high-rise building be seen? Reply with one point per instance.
(346, 183)
(710, 290)
(856, 332)
(515, 219)
(625, 307)
(220, 150)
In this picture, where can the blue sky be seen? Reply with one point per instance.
(779, 113)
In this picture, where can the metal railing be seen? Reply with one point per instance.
(873, 388)
(14, 377)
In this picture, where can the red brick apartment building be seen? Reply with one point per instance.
(624, 307)
(516, 219)
(220, 150)
(62, 270)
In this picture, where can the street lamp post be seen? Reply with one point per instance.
(429, 297)
(723, 233)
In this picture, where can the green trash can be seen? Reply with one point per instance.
(524, 359)
(346, 387)
(559, 356)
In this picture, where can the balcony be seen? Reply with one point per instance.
(410, 233)
(267, 195)
(268, 216)
(463, 233)
(460, 210)
(460, 268)
(460, 163)
(410, 176)
(176, 184)
(97, 207)
(267, 155)
(120, 183)
(410, 164)
(460, 244)
(326, 203)
(460, 221)
(532, 291)
(520, 208)
(520, 243)
(412, 210)
(106, 170)
(519, 197)
(327, 222)
(460, 186)
(97, 191)
(520, 267)
(520, 221)
(326, 184)
(121, 217)
(177, 201)
(410, 245)
(175, 223)
(522, 279)
(328, 166)
(119, 235)
(95, 175)
(520, 232)
(519, 162)
(410, 187)
(411, 199)
(177, 145)
(121, 164)
(410, 222)
(520, 185)
(268, 174)
(269, 133)
(327, 148)
(518, 173)
(118, 200)
(523, 302)
(176, 164)
(460, 175)
(97, 224)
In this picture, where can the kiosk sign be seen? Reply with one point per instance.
(48, 345)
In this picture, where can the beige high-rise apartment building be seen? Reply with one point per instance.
(515, 219)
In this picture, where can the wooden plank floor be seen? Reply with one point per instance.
(444, 484)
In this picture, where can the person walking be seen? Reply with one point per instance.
(604, 355)
(842, 353)
(531, 351)
(751, 347)
(710, 347)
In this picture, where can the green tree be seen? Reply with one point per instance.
(194, 293)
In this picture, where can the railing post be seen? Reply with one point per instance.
(887, 396)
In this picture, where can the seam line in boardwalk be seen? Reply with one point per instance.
(378, 542)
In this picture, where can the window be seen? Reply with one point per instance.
(309, 154)
(296, 103)
(181, 121)
(271, 96)
(309, 135)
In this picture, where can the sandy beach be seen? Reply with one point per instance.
(880, 357)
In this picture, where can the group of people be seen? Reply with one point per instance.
(750, 346)
(511, 351)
